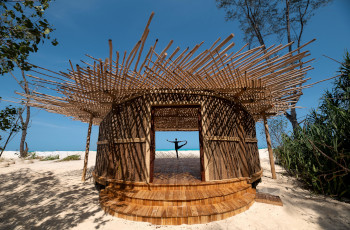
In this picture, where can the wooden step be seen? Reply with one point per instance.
(178, 197)
(167, 187)
(119, 184)
(268, 199)
(176, 215)
(173, 204)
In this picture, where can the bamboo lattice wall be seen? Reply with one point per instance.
(228, 130)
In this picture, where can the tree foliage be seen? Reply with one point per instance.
(8, 123)
(22, 27)
(319, 153)
(7, 118)
(279, 19)
(268, 18)
(255, 17)
(299, 13)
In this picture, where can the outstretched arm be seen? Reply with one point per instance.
(170, 141)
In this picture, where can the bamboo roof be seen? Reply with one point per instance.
(261, 79)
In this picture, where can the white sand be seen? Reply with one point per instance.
(62, 154)
(50, 195)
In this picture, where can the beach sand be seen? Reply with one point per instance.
(50, 195)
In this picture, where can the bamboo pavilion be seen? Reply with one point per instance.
(219, 92)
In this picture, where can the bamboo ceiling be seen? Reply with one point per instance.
(260, 79)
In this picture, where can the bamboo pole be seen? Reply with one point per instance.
(91, 89)
(269, 147)
(87, 148)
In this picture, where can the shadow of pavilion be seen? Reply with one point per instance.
(33, 200)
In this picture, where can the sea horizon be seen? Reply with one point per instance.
(96, 150)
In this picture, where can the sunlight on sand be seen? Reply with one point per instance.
(50, 195)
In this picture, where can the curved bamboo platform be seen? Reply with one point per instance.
(175, 204)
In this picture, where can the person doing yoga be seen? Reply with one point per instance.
(177, 147)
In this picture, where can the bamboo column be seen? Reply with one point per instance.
(87, 149)
(269, 147)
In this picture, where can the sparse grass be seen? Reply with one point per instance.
(32, 156)
(71, 158)
(51, 158)
(7, 162)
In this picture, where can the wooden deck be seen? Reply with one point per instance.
(176, 171)
(175, 204)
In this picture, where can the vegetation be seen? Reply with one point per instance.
(50, 158)
(32, 156)
(24, 122)
(277, 127)
(9, 124)
(319, 152)
(276, 19)
(71, 158)
(22, 28)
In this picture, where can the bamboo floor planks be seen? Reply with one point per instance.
(175, 204)
(178, 171)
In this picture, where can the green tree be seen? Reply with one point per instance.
(8, 124)
(22, 27)
(278, 18)
(23, 148)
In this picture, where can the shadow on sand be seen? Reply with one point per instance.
(320, 210)
(33, 200)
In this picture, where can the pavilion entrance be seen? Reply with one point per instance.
(165, 167)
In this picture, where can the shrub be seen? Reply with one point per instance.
(71, 158)
(33, 156)
(319, 152)
(51, 158)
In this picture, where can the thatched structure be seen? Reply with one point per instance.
(219, 92)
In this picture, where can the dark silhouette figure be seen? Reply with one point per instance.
(177, 147)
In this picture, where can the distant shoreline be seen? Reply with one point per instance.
(63, 154)
(179, 149)
(94, 150)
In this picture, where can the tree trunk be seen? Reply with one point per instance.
(269, 147)
(292, 117)
(87, 149)
(288, 25)
(254, 24)
(9, 137)
(7, 141)
(301, 21)
(22, 150)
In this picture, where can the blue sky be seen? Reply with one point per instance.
(191, 137)
(84, 27)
